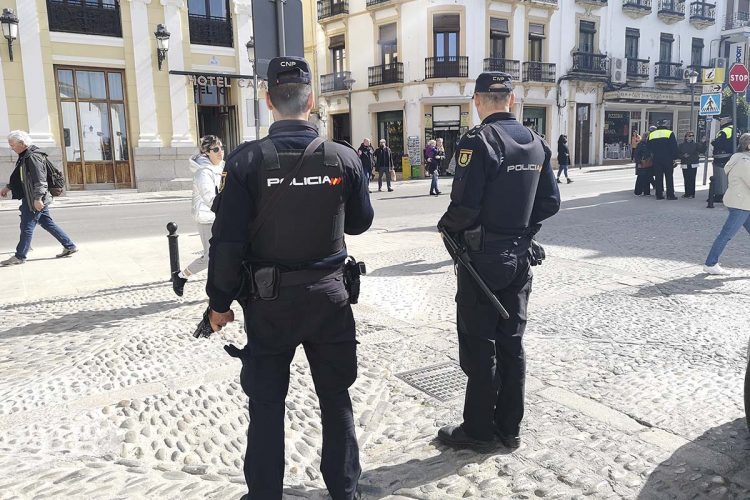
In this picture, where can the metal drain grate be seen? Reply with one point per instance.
(443, 382)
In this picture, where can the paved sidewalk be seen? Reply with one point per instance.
(634, 389)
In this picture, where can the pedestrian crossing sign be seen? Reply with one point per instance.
(710, 104)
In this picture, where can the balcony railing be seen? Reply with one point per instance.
(702, 13)
(385, 74)
(667, 71)
(594, 3)
(372, 3)
(590, 63)
(205, 30)
(738, 20)
(638, 69)
(671, 9)
(330, 8)
(547, 3)
(446, 67)
(513, 68)
(637, 6)
(534, 71)
(84, 18)
(334, 82)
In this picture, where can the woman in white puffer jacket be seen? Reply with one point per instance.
(207, 167)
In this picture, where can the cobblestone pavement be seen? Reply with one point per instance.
(635, 360)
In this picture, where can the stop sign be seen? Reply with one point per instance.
(739, 78)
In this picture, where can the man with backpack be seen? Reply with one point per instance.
(29, 183)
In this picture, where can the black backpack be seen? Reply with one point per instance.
(55, 178)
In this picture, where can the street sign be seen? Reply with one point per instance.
(713, 75)
(710, 104)
(266, 20)
(739, 78)
(712, 89)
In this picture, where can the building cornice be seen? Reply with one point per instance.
(179, 4)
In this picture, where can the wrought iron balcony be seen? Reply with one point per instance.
(373, 3)
(534, 71)
(446, 67)
(330, 8)
(513, 68)
(205, 30)
(671, 11)
(668, 72)
(334, 82)
(738, 20)
(636, 8)
(702, 14)
(593, 3)
(590, 64)
(84, 17)
(385, 74)
(638, 69)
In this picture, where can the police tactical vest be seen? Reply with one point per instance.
(727, 131)
(660, 134)
(307, 223)
(509, 197)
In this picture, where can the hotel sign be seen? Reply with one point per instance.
(210, 81)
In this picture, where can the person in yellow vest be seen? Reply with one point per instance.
(723, 148)
(662, 143)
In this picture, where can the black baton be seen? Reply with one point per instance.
(462, 255)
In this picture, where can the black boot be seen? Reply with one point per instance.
(178, 284)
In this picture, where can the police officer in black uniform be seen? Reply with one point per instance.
(724, 146)
(503, 188)
(295, 259)
(662, 144)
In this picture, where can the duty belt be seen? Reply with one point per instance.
(306, 276)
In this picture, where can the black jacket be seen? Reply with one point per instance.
(690, 153)
(236, 207)
(383, 159)
(662, 144)
(367, 156)
(28, 181)
(563, 153)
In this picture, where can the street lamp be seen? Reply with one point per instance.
(162, 43)
(9, 22)
(250, 45)
(692, 76)
(349, 82)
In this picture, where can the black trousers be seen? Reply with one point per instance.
(662, 172)
(688, 174)
(317, 316)
(644, 181)
(490, 348)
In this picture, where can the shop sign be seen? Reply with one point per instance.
(428, 120)
(639, 95)
(616, 115)
(464, 118)
(415, 150)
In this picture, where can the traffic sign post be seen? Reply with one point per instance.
(710, 104)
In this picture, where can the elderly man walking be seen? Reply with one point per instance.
(28, 183)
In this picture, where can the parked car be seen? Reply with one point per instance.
(747, 388)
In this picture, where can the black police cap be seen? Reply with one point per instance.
(288, 69)
(494, 81)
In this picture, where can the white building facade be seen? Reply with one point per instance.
(414, 63)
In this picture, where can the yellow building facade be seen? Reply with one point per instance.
(87, 83)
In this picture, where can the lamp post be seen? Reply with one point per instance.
(692, 76)
(162, 43)
(250, 45)
(349, 82)
(9, 22)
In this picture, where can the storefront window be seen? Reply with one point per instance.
(536, 119)
(616, 135)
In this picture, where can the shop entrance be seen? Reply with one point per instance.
(215, 114)
(391, 128)
(583, 132)
(341, 128)
(450, 136)
(616, 135)
(536, 119)
(94, 124)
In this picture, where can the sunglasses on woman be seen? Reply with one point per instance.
(217, 149)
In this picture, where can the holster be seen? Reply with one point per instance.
(266, 282)
(352, 271)
(536, 253)
(474, 238)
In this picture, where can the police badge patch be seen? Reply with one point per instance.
(464, 157)
(223, 180)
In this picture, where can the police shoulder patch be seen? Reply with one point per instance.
(464, 157)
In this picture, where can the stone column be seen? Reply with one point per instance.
(243, 12)
(143, 48)
(33, 74)
(181, 136)
(4, 120)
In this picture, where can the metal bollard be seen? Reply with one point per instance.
(174, 249)
(710, 192)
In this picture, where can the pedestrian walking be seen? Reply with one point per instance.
(689, 160)
(281, 216)
(563, 158)
(206, 167)
(662, 144)
(28, 183)
(737, 201)
(644, 169)
(503, 189)
(367, 157)
(433, 166)
(635, 140)
(384, 164)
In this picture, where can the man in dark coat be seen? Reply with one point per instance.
(384, 164)
(367, 157)
(662, 143)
